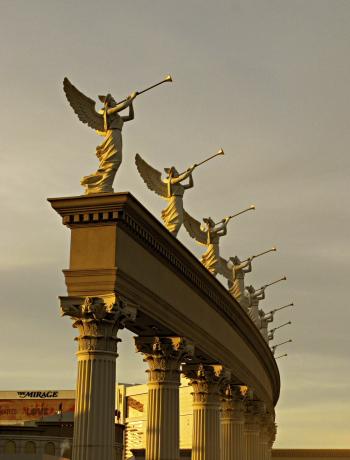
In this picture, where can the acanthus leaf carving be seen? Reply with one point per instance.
(164, 356)
(98, 320)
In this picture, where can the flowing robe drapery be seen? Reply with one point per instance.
(253, 309)
(211, 258)
(172, 215)
(236, 289)
(109, 153)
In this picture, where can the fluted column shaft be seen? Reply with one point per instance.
(271, 433)
(264, 450)
(163, 356)
(98, 320)
(205, 381)
(252, 438)
(95, 404)
(264, 437)
(232, 425)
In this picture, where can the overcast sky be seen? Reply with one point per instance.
(267, 80)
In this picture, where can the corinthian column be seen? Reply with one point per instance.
(205, 381)
(252, 431)
(232, 424)
(164, 356)
(272, 431)
(98, 320)
(265, 422)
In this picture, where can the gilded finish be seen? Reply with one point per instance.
(266, 318)
(108, 123)
(209, 235)
(171, 189)
(255, 296)
(234, 270)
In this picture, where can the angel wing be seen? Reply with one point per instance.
(223, 269)
(151, 177)
(83, 106)
(194, 229)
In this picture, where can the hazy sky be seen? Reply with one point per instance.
(266, 80)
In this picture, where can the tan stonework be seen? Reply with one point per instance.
(272, 433)
(110, 233)
(164, 356)
(206, 381)
(98, 320)
(232, 424)
(252, 430)
(266, 422)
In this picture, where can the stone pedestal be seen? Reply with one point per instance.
(98, 320)
(164, 356)
(232, 424)
(205, 381)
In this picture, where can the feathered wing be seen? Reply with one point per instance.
(151, 177)
(223, 269)
(194, 229)
(83, 106)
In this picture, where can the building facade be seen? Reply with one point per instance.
(38, 424)
(35, 423)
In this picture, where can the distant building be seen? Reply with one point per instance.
(38, 423)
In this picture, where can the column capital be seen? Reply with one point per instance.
(206, 380)
(233, 402)
(98, 320)
(164, 356)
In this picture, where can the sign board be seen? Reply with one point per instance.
(22, 410)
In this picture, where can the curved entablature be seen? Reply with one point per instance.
(118, 246)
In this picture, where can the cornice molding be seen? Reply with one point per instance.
(124, 211)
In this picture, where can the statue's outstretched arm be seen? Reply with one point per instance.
(222, 228)
(122, 105)
(190, 182)
(221, 231)
(131, 115)
(247, 266)
(183, 176)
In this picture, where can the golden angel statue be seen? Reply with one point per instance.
(234, 270)
(254, 297)
(171, 188)
(107, 123)
(208, 235)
